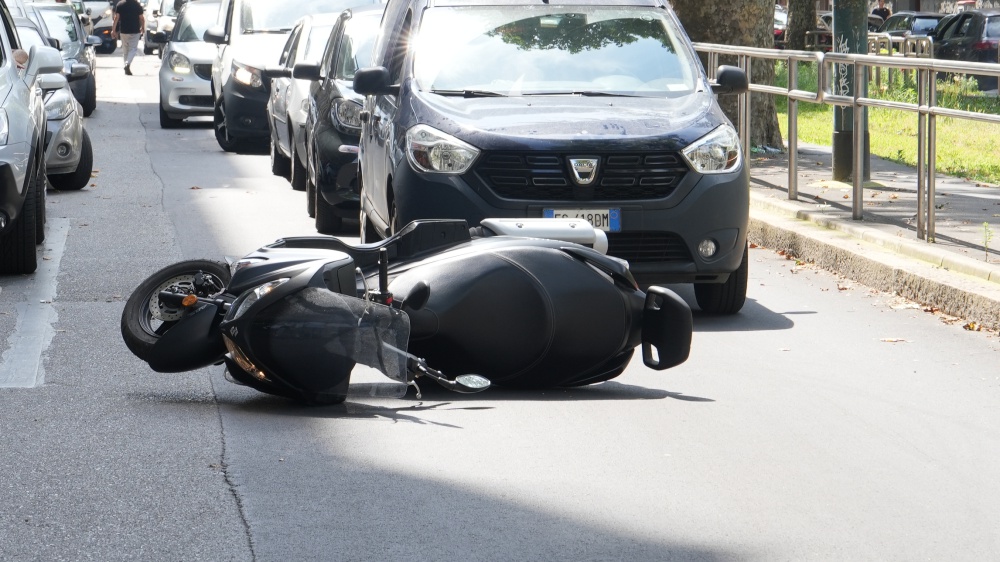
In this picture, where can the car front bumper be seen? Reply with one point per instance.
(659, 238)
(184, 95)
(64, 144)
(246, 111)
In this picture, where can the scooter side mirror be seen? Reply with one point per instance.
(471, 383)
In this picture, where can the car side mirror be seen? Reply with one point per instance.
(730, 80)
(49, 82)
(78, 71)
(215, 34)
(156, 13)
(269, 72)
(306, 71)
(93, 40)
(42, 60)
(374, 81)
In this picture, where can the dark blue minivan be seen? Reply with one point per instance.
(579, 108)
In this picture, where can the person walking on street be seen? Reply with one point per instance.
(882, 11)
(128, 24)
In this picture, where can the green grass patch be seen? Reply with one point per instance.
(965, 148)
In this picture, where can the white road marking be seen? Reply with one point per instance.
(21, 366)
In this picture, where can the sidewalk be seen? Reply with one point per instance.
(954, 274)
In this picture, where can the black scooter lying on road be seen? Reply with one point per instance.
(294, 318)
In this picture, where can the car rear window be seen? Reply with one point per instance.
(993, 27)
(539, 50)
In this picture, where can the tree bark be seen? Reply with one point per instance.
(748, 23)
(801, 18)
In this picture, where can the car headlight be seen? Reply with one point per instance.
(247, 75)
(4, 127)
(179, 63)
(715, 153)
(59, 105)
(346, 115)
(430, 150)
(249, 298)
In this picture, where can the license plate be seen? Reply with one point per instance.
(608, 220)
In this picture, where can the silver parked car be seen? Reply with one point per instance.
(22, 147)
(69, 156)
(186, 72)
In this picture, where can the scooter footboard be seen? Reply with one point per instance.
(666, 329)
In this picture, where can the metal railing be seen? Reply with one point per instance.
(828, 65)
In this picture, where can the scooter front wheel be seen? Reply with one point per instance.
(146, 318)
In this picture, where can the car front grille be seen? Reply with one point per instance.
(203, 71)
(198, 101)
(647, 246)
(544, 176)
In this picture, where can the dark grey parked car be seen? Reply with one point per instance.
(61, 22)
(597, 110)
(973, 36)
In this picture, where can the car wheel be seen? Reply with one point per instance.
(327, 221)
(40, 217)
(728, 297)
(300, 175)
(168, 122)
(79, 178)
(17, 246)
(311, 195)
(227, 143)
(280, 164)
(90, 96)
(146, 49)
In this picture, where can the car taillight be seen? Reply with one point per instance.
(987, 45)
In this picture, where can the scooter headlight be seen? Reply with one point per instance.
(250, 297)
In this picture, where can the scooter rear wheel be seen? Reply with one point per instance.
(145, 318)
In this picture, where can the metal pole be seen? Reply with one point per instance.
(861, 76)
(793, 131)
(922, 88)
(931, 157)
(745, 64)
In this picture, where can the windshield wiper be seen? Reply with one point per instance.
(587, 93)
(280, 30)
(470, 93)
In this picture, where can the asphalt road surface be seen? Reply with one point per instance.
(824, 422)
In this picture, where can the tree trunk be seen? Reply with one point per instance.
(801, 18)
(748, 23)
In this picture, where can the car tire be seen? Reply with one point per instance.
(146, 49)
(226, 142)
(41, 184)
(90, 96)
(281, 166)
(300, 175)
(79, 178)
(725, 298)
(168, 122)
(327, 221)
(311, 195)
(17, 247)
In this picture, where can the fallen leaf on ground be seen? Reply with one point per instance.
(973, 327)
(894, 340)
(195, 187)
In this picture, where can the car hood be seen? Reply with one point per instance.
(258, 50)
(197, 51)
(549, 122)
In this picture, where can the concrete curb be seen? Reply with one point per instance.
(956, 285)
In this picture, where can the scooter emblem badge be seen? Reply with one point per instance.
(584, 170)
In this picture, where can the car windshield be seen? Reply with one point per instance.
(269, 16)
(554, 50)
(197, 18)
(993, 27)
(318, 36)
(356, 45)
(923, 26)
(61, 25)
(169, 8)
